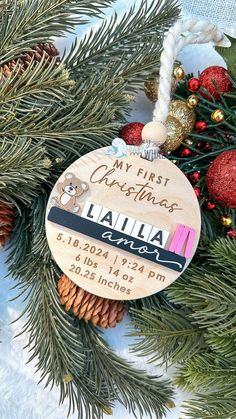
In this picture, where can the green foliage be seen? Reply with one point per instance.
(209, 290)
(23, 168)
(229, 56)
(134, 388)
(50, 115)
(165, 335)
(34, 21)
(196, 327)
(134, 38)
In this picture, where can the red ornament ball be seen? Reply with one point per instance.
(131, 133)
(193, 84)
(185, 152)
(210, 206)
(221, 179)
(212, 76)
(201, 126)
(197, 191)
(231, 233)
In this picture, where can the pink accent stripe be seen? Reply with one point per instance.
(182, 234)
(189, 246)
(182, 239)
(176, 238)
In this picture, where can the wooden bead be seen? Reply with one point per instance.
(154, 131)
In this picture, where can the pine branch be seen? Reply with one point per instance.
(86, 119)
(216, 405)
(34, 21)
(133, 388)
(129, 47)
(206, 372)
(53, 340)
(37, 86)
(208, 292)
(224, 346)
(165, 335)
(23, 168)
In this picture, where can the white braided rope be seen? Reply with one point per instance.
(199, 32)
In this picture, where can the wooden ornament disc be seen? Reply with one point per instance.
(127, 198)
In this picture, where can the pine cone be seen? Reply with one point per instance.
(7, 218)
(100, 311)
(49, 50)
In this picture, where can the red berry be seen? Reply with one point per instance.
(231, 233)
(195, 176)
(131, 133)
(201, 126)
(193, 84)
(210, 206)
(185, 152)
(197, 191)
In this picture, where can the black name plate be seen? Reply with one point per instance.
(117, 239)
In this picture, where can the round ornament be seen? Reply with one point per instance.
(186, 116)
(220, 179)
(216, 81)
(226, 220)
(179, 73)
(120, 226)
(175, 134)
(197, 191)
(192, 101)
(186, 152)
(218, 116)
(201, 126)
(231, 233)
(131, 133)
(210, 206)
(151, 86)
(193, 84)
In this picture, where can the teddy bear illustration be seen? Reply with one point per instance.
(69, 191)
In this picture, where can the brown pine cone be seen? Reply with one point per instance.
(100, 311)
(36, 52)
(7, 218)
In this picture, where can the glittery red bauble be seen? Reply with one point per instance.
(201, 126)
(185, 152)
(231, 233)
(210, 206)
(131, 133)
(215, 75)
(221, 179)
(195, 176)
(197, 192)
(193, 84)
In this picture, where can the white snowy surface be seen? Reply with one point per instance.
(20, 395)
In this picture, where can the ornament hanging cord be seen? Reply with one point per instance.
(183, 33)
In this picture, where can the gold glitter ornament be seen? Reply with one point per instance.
(175, 134)
(226, 220)
(186, 116)
(151, 86)
(217, 116)
(193, 101)
(179, 73)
